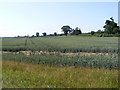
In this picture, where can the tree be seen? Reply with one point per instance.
(66, 29)
(99, 31)
(55, 34)
(44, 34)
(76, 31)
(112, 19)
(111, 27)
(92, 32)
(116, 31)
(33, 36)
(18, 36)
(37, 34)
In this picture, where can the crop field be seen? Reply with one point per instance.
(60, 62)
(62, 44)
(99, 61)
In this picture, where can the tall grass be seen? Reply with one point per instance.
(28, 75)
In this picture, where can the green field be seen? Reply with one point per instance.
(63, 44)
(61, 63)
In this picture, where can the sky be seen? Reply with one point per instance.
(27, 18)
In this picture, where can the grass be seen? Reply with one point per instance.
(28, 75)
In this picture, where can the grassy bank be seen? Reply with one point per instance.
(28, 75)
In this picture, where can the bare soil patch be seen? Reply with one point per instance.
(57, 53)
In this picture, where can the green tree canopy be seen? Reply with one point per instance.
(76, 31)
(55, 33)
(92, 32)
(66, 29)
(111, 27)
(37, 34)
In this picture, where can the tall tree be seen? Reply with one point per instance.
(66, 29)
(37, 34)
(55, 33)
(111, 27)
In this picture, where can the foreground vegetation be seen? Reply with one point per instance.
(28, 75)
(62, 44)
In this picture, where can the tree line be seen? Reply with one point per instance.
(110, 29)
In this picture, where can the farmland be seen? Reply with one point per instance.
(99, 61)
(68, 58)
(63, 44)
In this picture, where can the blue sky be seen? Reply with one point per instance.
(22, 18)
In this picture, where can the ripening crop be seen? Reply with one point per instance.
(62, 44)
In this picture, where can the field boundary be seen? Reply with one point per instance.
(27, 53)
